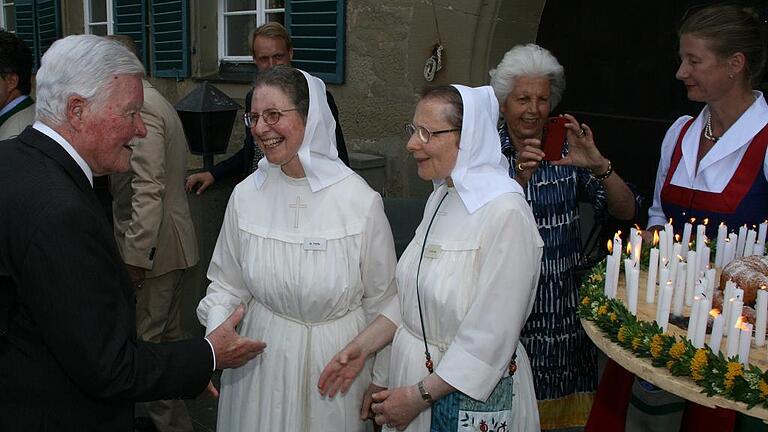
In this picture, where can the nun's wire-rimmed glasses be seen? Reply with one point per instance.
(423, 133)
(271, 116)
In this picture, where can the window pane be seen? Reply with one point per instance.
(239, 29)
(99, 30)
(275, 4)
(276, 17)
(241, 5)
(9, 12)
(98, 10)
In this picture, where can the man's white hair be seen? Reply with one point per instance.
(528, 60)
(81, 65)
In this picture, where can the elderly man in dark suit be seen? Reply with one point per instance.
(69, 356)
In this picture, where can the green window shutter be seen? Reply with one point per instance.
(48, 23)
(318, 30)
(170, 38)
(25, 26)
(129, 20)
(38, 23)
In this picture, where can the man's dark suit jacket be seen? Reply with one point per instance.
(241, 162)
(69, 357)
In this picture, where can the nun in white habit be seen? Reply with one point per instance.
(476, 257)
(306, 246)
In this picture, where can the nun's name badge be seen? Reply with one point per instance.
(433, 251)
(315, 244)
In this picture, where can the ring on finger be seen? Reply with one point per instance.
(582, 132)
(520, 167)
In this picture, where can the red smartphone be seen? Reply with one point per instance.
(554, 138)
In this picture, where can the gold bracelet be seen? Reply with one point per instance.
(604, 175)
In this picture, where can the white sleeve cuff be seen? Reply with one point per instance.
(216, 315)
(392, 311)
(213, 353)
(467, 374)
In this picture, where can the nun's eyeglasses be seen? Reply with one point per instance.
(423, 133)
(271, 116)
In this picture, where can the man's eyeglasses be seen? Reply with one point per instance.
(423, 133)
(271, 116)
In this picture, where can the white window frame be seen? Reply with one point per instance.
(3, 22)
(261, 12)
(87, 17)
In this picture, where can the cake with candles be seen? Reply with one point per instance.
(749, 273)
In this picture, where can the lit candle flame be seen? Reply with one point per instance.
(610, 246)
(715, 313)
(706, 221)
(692, 220)
(677, 237)
(722, 223)
(739, 323)
(655, 238)
(680, 258)
(637, 227)
(670, 221)
(629, 249)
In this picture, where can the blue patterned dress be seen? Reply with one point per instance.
(563, 359)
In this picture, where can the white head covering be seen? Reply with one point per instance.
(481, 171)
(317, 153)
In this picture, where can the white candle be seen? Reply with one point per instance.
(728, 253)
(700, 236)
(762, 232)
(759, 249)
(745, 342)
(663, 250)
(711, 274)
(631, 275)
(734, 315)
(693, 319)
(701, 322)
(687, 233)
(608, 286)
(690, 278)
(702, 258)
(669, 233)
(679, 298)
(734, 333)
(637, 246)
(665, 301)
(722, 232)
(761, 308)
(717, 331)
(664, 271)
(741, 241)
(727, 296)
(653, 265)
(749, 244)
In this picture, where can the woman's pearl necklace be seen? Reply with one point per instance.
(708, 135)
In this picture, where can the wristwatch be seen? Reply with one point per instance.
(424, 393)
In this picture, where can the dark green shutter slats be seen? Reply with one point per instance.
(170, 40)
(25, 25)
(38, 23)
(317, 28)
(48, 23)
(129, 20)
